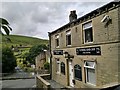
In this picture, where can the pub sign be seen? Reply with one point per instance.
(89, 51)
(58, 52)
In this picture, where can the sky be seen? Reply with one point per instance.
(36, 19)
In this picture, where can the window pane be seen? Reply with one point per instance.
(78, 72)
(57, 65)
(62, 68)
(87, 25)
(88, 35)
(91, 76)
(68, 39)
(57, 42)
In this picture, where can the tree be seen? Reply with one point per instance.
(8, 60)
(34, 51)
(4, 24)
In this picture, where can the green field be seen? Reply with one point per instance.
(22, 40)
(21, 45)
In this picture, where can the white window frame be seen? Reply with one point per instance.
(93, 67)
(84, 28)
(86, 67)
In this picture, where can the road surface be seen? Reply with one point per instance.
(19, 83)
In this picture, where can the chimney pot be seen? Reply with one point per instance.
(72, 16)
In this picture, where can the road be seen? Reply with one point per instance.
(19, 83)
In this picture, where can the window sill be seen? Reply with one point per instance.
(57, 47)
(68, 45)
(88, 42)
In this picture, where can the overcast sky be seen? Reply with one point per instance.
(36, 19)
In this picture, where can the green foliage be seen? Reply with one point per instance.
(22, 41)
(8, 60)
(34, 51)
(22, 45)
(5, 25)
(46, 65)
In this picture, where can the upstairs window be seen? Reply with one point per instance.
(57, 40)
(68, 38)
(78, 72)
(62, 68)
(88, 32)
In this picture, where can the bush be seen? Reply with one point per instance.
(28, 69)
(8, 60)
(46, 66)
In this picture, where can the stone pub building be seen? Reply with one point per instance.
(85, 53)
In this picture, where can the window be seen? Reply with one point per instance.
(62, 68)
(57, 66)
(68, 38)
(90, 72)
(57, 40)
(78, 72)
(88, 32)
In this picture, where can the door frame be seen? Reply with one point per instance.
(68, 71)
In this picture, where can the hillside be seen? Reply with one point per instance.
(22, 40)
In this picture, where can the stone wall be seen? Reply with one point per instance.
(41, 81)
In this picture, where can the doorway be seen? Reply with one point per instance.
(71, 76)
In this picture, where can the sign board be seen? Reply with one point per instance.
(58, 52)
(89, 51)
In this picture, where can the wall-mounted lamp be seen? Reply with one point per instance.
(106, 18)
(67, 55)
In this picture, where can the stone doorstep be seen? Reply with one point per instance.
(54, 84)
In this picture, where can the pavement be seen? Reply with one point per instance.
(55, 84)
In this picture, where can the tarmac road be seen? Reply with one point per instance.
(19, 83)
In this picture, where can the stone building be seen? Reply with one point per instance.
(85, 53)
(41, 59)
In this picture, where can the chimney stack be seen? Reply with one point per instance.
(72, 16)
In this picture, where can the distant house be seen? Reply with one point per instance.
(85, 53)
(41, 59)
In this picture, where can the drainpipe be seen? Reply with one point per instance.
(50, 55)
(119, 44)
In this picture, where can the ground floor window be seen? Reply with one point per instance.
(90, 72)
(57, 65)
(78, 72)
(62, 68)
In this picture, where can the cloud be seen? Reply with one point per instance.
(38, 18)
